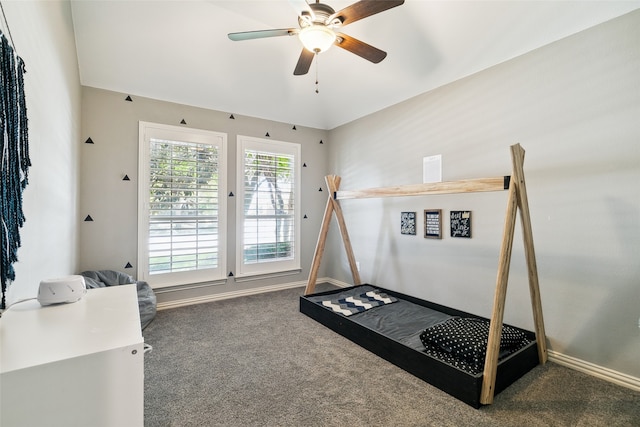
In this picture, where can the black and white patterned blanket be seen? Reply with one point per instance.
(359, 303)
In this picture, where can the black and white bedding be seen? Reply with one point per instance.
(401, 320)
(458, 341)
(358, 302)
(462, 342)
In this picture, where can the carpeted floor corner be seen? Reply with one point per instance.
(257, 361)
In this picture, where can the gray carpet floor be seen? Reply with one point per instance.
(257, 361)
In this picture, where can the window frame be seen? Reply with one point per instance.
(148, 131)
(275, 147)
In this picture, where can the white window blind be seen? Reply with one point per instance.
(268, 204)
(183, 205)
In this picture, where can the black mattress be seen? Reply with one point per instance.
(399, 328)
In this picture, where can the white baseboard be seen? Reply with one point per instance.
(241, 293)
(594, 370)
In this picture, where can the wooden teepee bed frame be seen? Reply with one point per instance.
(517, 201)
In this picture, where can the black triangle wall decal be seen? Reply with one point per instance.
(231, 194)
(128, 98)
(126, 178)
(321, 142)
(128, 265)
(267, 135)
(294, 127)
(182, 122)
(230, 274)
(231, 117)
(305, 216)
(320, 189)
(89, 141)
(304, 165)
(88, 218)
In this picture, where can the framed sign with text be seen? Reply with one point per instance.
(433, 223)
(460, 224)
(408, 223)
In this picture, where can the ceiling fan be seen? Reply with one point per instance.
(318, 23)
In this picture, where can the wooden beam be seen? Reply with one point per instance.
(320, 244)
(517, 154)
(495, 327)
(333, 183)
(448, 187)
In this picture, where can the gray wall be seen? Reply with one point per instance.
(575, 108)
(110, 240)
(43, 34)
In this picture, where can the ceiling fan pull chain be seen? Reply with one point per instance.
(317, 90)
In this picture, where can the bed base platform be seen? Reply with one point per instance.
(460, 384)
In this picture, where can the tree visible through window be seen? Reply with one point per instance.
(269, 196)
(183, 206)
(182, 202)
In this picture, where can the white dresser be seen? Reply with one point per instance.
(78, 364)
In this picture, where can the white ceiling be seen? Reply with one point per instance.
(179, 51)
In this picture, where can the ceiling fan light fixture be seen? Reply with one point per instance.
(317, 38)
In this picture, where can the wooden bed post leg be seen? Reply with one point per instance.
(319, 251)
(333, 188)
(495, 327)
(527, 237)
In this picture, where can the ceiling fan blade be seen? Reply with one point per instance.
(301, 6)
(304, 63)
(362, 9)
(260, 34)
(361, 49)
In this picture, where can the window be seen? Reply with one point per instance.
(268, 206)
(182, 205)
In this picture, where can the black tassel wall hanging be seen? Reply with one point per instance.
(15, 157)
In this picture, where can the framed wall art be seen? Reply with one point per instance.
(433, 223)
(408, 223)
(460, 223)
